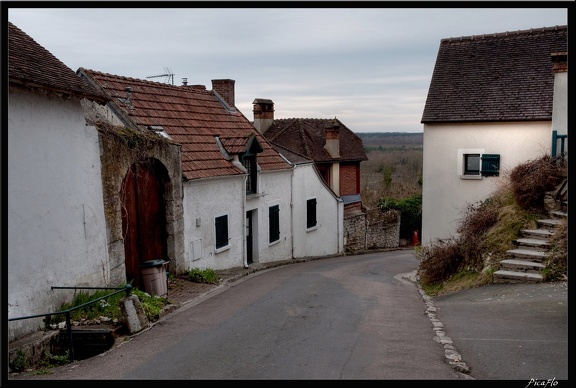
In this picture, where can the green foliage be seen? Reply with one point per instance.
(108, 307)
(410, 209)
(20, 362)
(207, 275)
(151, 304)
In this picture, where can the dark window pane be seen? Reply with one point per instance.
(472, 164)
(274, 222)
(311, 213)
(221, 231)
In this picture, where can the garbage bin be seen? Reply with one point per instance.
(154, 277)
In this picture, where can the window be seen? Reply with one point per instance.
(221, 231)
(471, 164)
(249, 162)
(274, 223)
(311, 213)
(477, 165)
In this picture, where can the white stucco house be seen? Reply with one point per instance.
(107, 172)
(493, 103)
(242, 202)
(56, 226)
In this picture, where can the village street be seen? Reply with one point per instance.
(354, 317)
(349, 317)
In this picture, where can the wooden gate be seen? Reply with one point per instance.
(143, 217)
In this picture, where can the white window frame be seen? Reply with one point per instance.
(461, 167)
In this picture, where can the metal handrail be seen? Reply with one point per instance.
(555, 138)
(127, 288)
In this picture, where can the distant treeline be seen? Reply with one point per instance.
(391, 140)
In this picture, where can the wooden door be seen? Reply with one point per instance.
(143, 217)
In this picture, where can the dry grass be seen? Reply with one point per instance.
(488, 229)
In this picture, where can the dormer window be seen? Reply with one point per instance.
(249, 163)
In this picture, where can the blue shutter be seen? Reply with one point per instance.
(490, 164)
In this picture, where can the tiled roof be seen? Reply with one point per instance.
(31, 65)
(191, 116)
(307, 137)
(499, 77)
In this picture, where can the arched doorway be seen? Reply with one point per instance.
(143, 217)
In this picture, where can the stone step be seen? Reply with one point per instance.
(521, 266)
(530, 254)
(504, 276)
(550, 224)
(559, 214)
(539, 233)
(536, 243)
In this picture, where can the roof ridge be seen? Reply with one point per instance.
(505, 34)
(134, 79)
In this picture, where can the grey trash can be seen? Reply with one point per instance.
(154, 277)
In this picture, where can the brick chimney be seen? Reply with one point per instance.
(263, 114)
(333, 139)
(225, 88)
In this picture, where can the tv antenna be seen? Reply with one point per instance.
(169, 76)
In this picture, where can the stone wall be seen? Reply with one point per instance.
(371, 230)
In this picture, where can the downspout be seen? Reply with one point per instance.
(244, 241)
(292, 208)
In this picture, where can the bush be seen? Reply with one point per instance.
(531, 180)
(439, 262)
(207, 275)
(410, 209)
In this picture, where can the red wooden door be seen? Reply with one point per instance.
(143, 218)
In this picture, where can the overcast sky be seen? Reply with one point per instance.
(369, 67)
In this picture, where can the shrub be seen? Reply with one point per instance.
(532, 179)
(207, 275)
(410, 209)
(439, 262)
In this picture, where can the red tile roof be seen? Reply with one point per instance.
(499, 77)
(32, 66)
(307, 137)
(193, 117)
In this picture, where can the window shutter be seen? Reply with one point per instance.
(490, 164)
(311, 213)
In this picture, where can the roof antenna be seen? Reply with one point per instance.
(169, 76)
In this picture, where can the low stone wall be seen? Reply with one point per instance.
(371, 230)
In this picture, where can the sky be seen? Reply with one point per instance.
(368, 67)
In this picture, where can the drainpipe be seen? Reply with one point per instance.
(244, 242)
(292, 207)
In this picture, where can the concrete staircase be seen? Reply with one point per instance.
(527, 261)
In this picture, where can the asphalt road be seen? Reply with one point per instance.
(510, 331)
(344, 318)
(347, 318)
